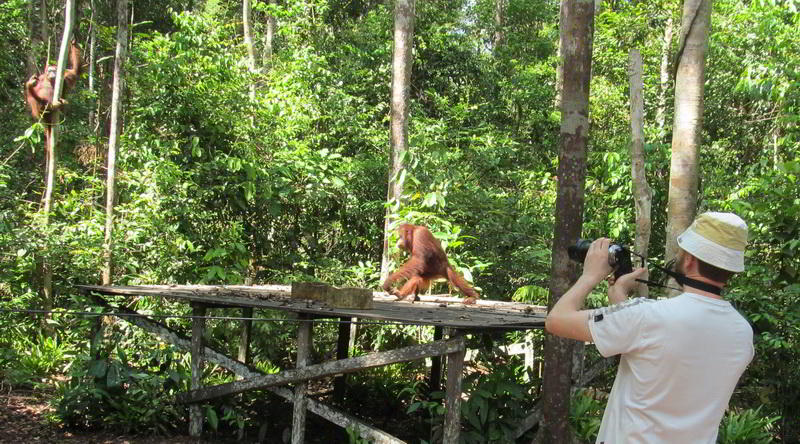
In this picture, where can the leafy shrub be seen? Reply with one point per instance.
(111, 393)
(585, 415)
(497, 404)
(747, 426)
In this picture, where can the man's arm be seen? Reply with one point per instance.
(566, 319)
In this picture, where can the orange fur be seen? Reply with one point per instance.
(428, 262)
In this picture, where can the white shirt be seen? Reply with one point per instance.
(681, 359)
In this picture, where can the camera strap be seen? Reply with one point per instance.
(683, 280)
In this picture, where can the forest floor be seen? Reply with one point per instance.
(23, 420)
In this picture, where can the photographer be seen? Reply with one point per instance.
(680, 358)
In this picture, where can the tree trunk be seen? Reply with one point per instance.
(398, 137)
(113, 140)
(69, 20)
(30, 61)
(92, 59)
(686, 132)
(269, 36)
(559, 58)
(44, 26)
(642, 194)
(661, 111)
(248, 42)
(577, 32)
(499, 22)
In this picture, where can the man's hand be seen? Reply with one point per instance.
(595, 266)
(622, 287)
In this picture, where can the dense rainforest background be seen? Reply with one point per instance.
(216, 184)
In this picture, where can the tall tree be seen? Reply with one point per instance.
(661, 110)
(92, 59)
(642, 194)
(577, 19)
(66, 38)
(690, 63)
(398, 132)
(113, 140)
(248, 42)
(499, 22)
(269, 36)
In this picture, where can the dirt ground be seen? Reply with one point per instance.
(23, 420)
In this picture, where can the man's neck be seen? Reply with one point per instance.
(689, 289)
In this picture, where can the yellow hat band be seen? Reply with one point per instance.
(721, 233)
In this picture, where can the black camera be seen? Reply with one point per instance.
(619, 257)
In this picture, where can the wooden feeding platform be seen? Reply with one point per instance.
(313, 301)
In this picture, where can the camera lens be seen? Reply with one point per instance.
(578, 251)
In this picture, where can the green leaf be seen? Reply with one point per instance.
(211, 416)
(97, 368)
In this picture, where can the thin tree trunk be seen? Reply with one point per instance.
(69, 20)
(248, 42)
(92, 59)
(499, 22)
(30, 61)
(269, 37)
(661, 111)
(398, 137)
(44, 28)
(560, 66)
(642, 194)
(577, 18)
(686, 133)
(113, 140)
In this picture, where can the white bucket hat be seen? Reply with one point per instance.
(718, 239)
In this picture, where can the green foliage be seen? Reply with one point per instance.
(496, 405)
(748, 426)
(585, 415)
(113, 392)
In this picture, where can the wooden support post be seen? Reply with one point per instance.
(455, 371)
(198, 327)
(244, 341)
(351, 345)
(342, 352)
(304, 344)
(530, 355)
(436, 364)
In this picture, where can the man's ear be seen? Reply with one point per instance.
(689, 263)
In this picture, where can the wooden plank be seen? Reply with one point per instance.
(198, 326)
(458, 316)
(336, 297)
(455, 372)
(304, 346)
(328, 368)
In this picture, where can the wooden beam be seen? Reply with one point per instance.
(328, 368)
(436, 364)
(198, 326)
(244, 339)
(342, 352)
(455, 372)
(304, 347)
